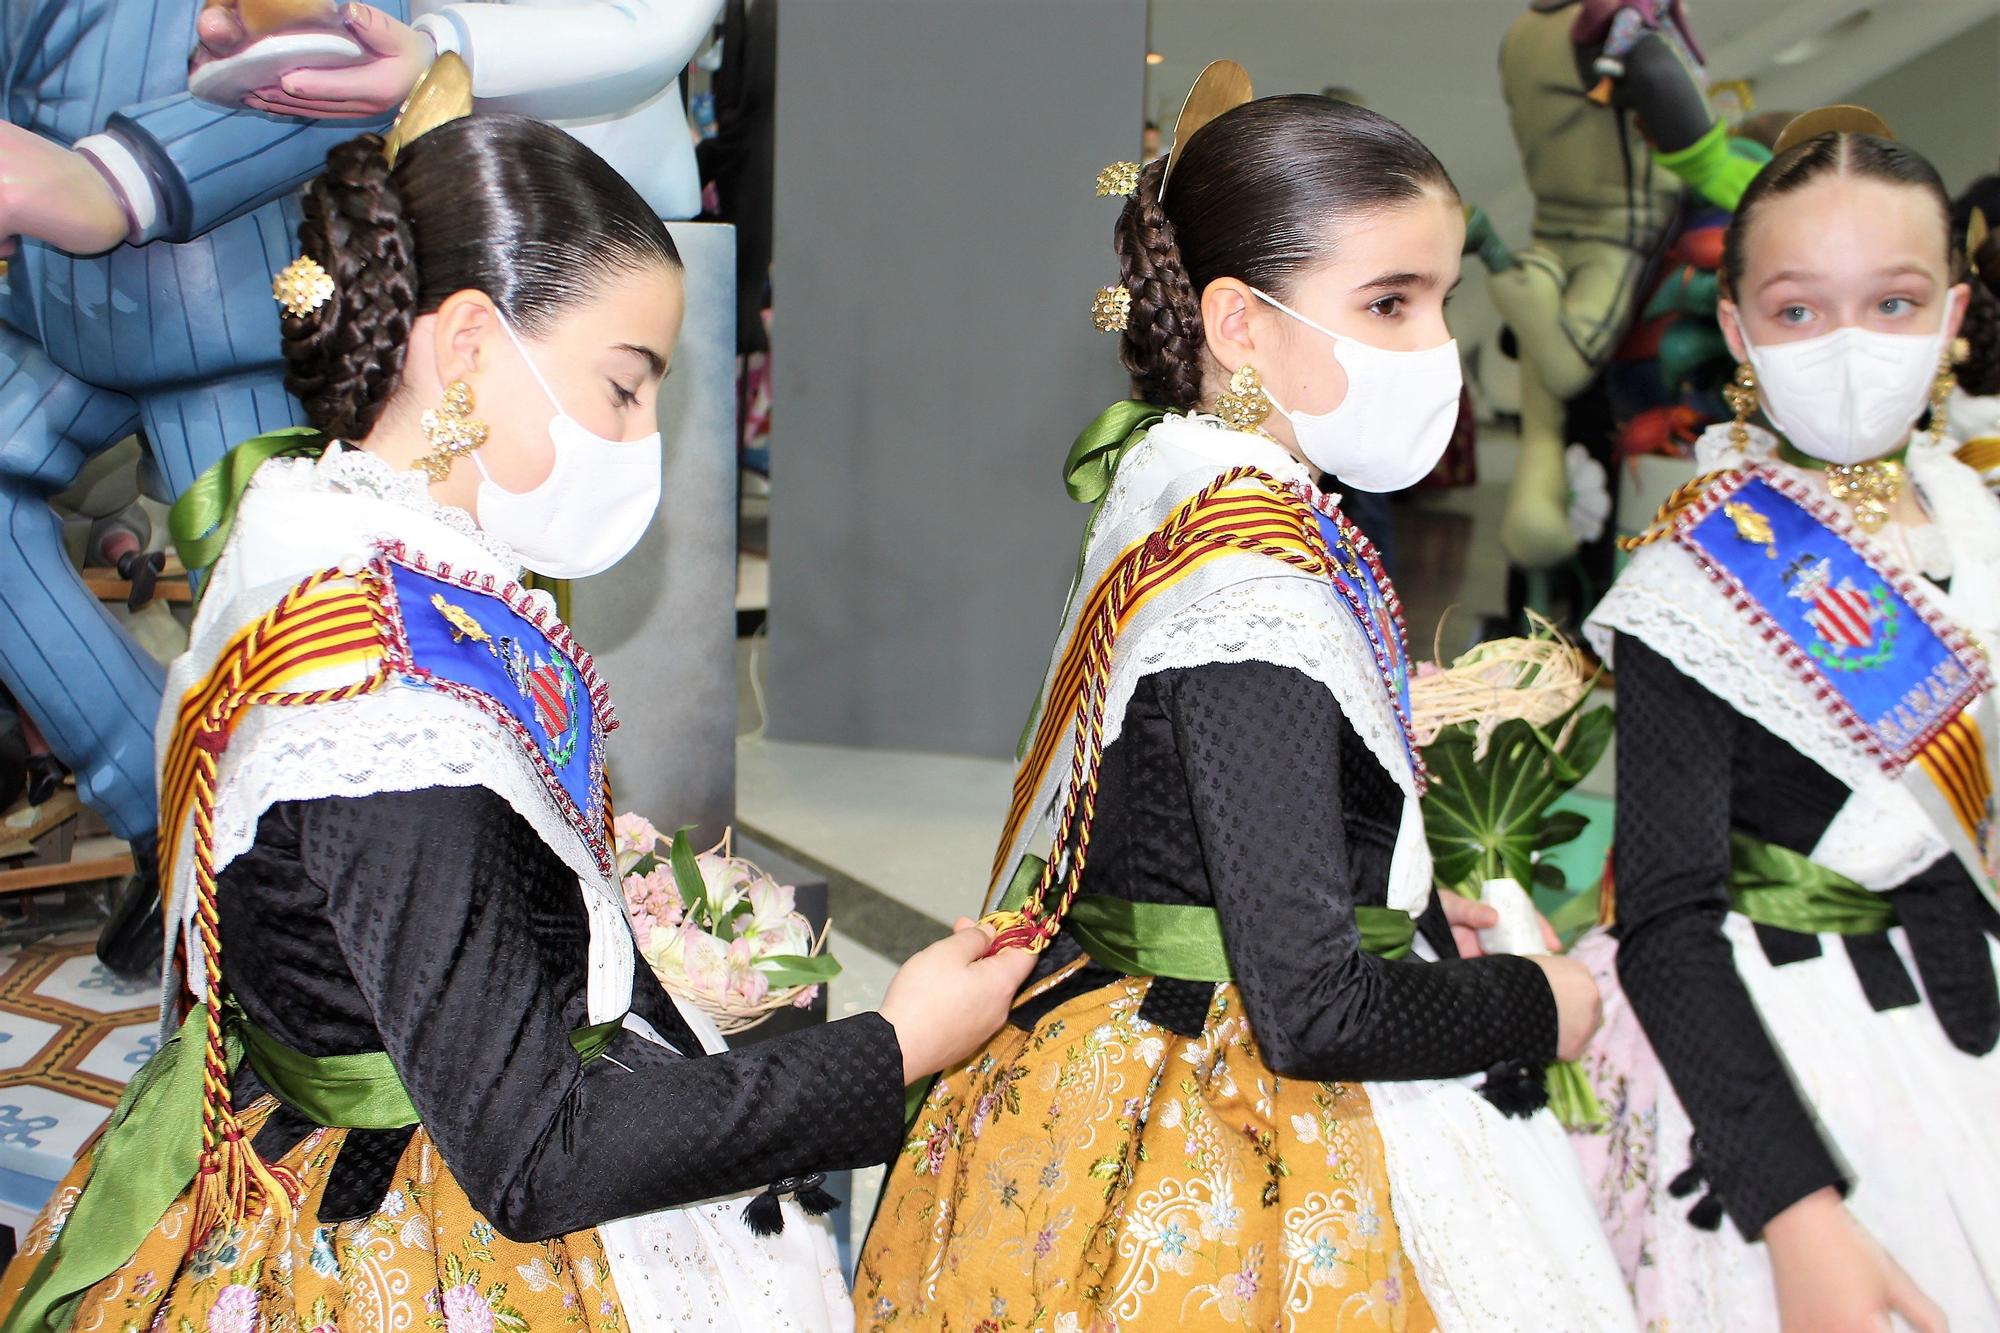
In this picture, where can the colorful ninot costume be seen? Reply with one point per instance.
(423, 1074)
(1234, 1095)
(1579, 78)
(173, 335)
(1806, 940)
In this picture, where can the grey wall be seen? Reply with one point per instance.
(1946, 104)
(662, 621)
(938, 245)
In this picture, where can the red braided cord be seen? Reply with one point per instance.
(231, 1181)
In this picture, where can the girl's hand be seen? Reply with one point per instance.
(947, 1000)
(1469, 916)
(1833, 1277)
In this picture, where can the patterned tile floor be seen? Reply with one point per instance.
(71, 1034)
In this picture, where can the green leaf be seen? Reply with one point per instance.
(797, 969)
(1559, 827)
(687, 875)
(1486, 817)
(1549, 875)
(1577, 914)
(645, 865)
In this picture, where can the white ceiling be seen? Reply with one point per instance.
(1431, 64)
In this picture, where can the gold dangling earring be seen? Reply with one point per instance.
(1941, 387)
(452, 430)
(1741, 395)
(1244, 407)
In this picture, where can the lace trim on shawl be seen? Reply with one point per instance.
(400, 738)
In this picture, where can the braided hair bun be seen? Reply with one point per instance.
(500, 204)
(345, 358)
(1162, 342)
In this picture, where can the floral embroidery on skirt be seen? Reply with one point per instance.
(425, 1260)
(1102, 1174)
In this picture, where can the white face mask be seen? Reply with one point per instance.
(1850, 395)
(1396, 420)
(597, 502)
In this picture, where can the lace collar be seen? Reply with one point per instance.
(1200, 433)
(345, 470)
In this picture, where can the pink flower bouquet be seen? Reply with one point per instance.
(715, 929)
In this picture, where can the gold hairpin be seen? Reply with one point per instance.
(1120, 178)
(444, 94)
(1112, 310)
(302, 286)
(1841, 119)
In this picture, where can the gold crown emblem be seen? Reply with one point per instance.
(1120, 178)
(1111, 311)
(302, 286)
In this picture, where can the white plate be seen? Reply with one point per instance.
(228, 81)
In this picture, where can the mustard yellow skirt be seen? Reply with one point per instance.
(425, 1260)
(1101, 1174)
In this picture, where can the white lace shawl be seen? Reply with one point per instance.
(1241, 609)
(1881, 836)
(300, 516)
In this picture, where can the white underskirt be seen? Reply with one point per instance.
(700, 1267)
(1916, 1121)
(1494, 1213)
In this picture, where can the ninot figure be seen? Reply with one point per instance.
(609, 73)
(146, 226)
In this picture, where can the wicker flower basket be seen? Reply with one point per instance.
(718, 931)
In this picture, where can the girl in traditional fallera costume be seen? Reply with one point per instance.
(1227, 1100)
(1805, 923)
(423, 1080)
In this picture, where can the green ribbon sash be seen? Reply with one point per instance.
(1775, 886)
(1094, 458)
(1798, 457)
(1184, 941)
(151, 1146)
(361, 1091)
(200, 520)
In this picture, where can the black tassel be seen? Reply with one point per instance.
(765, 1218)
(1515, 1088)
(1708, 1213)
(816, 1200)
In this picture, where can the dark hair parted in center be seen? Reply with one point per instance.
(1258, 194)
(1868, 157)
(503, 204)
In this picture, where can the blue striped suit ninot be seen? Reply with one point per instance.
(178, 337)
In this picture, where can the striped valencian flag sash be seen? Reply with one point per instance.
(330, 620)
(1243, 511)
(1899, 681)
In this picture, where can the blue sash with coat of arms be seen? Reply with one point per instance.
(493, 648)
(1905, 684)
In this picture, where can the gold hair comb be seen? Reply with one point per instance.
(1841, 119)
(444, 94)
(302, 286)
(1223, 86)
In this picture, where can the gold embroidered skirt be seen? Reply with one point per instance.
(426, 1259)
(1101, 1174)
